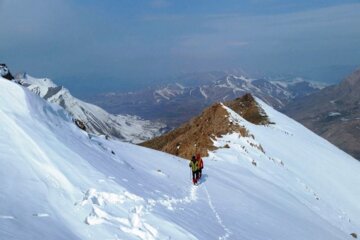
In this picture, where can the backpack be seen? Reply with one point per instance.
(201, 163)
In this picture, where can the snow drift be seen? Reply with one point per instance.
(57, 183)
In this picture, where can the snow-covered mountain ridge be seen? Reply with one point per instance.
(56, 183)
(178, 102)
(198, 134)
(281, 152)
(97, 121)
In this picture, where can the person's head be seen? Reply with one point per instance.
(193, 158)
(198, 156)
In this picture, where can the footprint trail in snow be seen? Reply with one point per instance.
(128, 211)
(218, 218)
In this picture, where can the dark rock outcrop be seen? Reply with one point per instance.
(5, 72)
(80, 124)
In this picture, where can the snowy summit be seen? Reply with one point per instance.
(277, 181)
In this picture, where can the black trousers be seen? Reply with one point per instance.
(194, 174)
(197, 174)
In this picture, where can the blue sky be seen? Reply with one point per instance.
(93, 46)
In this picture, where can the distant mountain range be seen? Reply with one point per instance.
(333, 112)
(97, 121)
(176, 103)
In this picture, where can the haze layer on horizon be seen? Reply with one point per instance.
(98, 46)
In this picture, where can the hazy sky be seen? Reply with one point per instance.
(107, 45)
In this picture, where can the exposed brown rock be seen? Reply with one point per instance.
(196, 135)
(247, 107)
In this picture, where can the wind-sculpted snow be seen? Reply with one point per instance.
(125, 127)
(281, 182)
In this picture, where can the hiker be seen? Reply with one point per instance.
(194, 168)
(200, 164)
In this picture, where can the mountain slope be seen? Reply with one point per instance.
(97, 121)
(333, 113)
(56, 183)
(177, 103)
(198, 134)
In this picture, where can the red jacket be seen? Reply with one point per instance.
(200, 161)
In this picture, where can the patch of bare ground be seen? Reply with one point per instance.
(196, 136)
(248, 108)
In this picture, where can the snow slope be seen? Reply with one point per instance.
(125, 127)
(57, 183)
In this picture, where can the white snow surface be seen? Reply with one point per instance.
(203, 93)
(168, 92)
(125, 127)
(334, 114)
(57, 183)
(297, 80)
